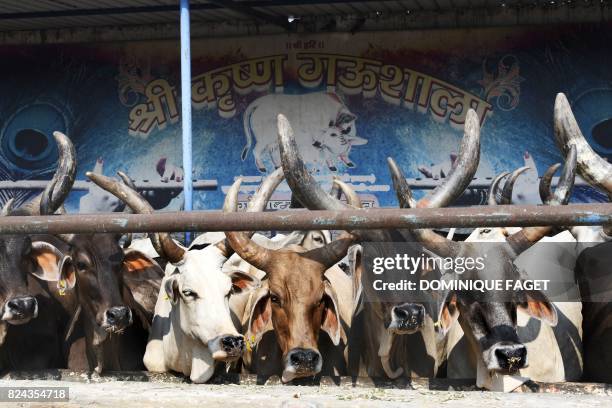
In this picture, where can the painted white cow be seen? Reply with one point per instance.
(325, 128)
(98, 200)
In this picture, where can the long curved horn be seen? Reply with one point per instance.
(302, 184)
(463, 169)
(244, 246)
(258, 203)
(491, 194)
(594, 169)
(7, 207)
(351, 196)
(265, 190)
(59, 187)
(169, 249)
(400, 185)
(128, 237)
(545, 190)
(331, 253)
(506, 195)
(335, 191)
(526, 237)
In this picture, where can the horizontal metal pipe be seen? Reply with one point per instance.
(478, 216)
(85, 185)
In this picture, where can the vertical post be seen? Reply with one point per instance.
(186, 109)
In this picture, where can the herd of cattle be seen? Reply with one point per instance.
(301, 304)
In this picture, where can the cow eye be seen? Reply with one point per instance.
(275, 299)
(189, 293)
(486, 230)
(318, 239)
(334, 134)
(81, 265)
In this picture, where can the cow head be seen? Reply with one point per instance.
(200, 292)
(340, 134)
(298, 302)
(20, 256)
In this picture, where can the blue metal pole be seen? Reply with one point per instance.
(186, 109)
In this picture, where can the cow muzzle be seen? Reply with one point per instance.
(20, 310)
(301, 362)
(227, 347)
(407, 318)
(117, 319)
(507, 358)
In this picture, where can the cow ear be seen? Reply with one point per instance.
(344, 117)
(537, 305)
(330, 323)
(261, 314)
(242, 282)
(171, 287)
(136, 262)
(51, 265)
(448, 313)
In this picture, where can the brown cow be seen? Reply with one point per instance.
(298, 301)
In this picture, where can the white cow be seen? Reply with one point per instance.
(192, 327)
(325, 128)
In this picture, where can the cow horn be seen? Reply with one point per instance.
(351, 196)
(333, 252)
(455, 183)
(8, 207)
(594, 169)
(257, 204)
(545, 190)
(335, 191)
(463, 170)
(522, 240)
(241, 242)
(59, 187)
(167, 247)
(128, 237)
(429, 238)
(491, 195)
(506, 195)
(400, 185)
(302, 184)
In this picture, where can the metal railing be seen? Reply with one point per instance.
(460, 217)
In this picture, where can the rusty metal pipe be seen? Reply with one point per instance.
(461, 217)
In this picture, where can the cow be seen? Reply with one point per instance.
(561, 344)
(593, 264)
(296, 300)
(31, 322)
(383, 334)
(490, 325)
(327, 128)
(106, 279)
(192, 327)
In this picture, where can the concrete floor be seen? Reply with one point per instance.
(156, 394)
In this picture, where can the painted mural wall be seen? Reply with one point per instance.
(353, 101)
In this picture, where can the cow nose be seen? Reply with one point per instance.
(409, 316)
(21, 308)
(233, 345)
(118, 316)
(511, 357)
(304, 359)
